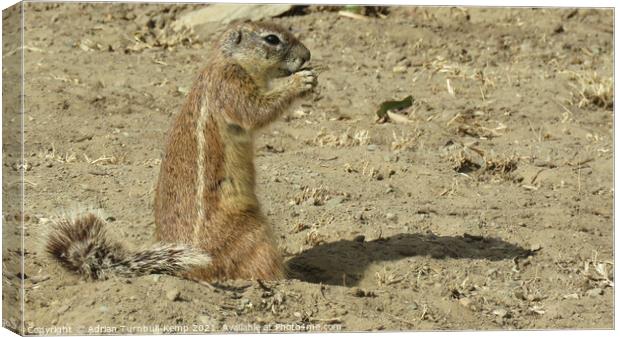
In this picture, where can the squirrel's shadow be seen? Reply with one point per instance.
(331, 263)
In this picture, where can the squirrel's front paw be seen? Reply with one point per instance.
(304, 80)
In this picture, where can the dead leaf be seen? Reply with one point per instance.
(382, 113)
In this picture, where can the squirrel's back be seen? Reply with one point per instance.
(205, 194)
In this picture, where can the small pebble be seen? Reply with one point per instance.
(400, 69)
(358, 292)
(359, 238)
(371, 147)
(404, 62)
(278, 298)
(360, 216)
(206, 320)
(333, 202)
(173, 294)
(299, 113)
(391, 216)
(573, 296)
(62, 309)
(467, 303)
(340, 312)
(39, 278)
(520, 295)
(594, 292)
(500, 313)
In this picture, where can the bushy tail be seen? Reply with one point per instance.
(82, 245)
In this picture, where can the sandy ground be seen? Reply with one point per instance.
(489, 207)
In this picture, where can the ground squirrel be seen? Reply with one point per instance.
(208, 219)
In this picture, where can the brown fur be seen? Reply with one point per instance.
(207, 216)
(222, 215)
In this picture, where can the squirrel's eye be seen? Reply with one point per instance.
(272, 39)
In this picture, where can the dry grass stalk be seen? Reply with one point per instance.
(314, 238)
(106, 160)
(166, 38)
(386, 278)
(359, 137)
(592, 91)
(67, 157)
(504, 165)
(317, 196)
(405, 142)
(466, 123)
(599, 271)
(467, 162)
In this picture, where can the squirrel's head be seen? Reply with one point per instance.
(264, 49)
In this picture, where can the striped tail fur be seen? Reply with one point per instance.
(82, 245)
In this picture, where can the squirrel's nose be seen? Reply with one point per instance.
(302, 53)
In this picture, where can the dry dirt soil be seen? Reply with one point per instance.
(485, 205)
